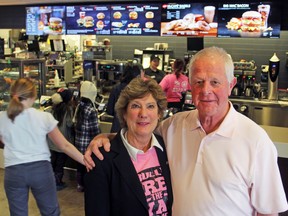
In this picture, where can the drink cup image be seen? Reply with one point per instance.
(209, 12)
(264, 10)
(82, 14)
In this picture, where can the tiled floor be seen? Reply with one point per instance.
(71, 202)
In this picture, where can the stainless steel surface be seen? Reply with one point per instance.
(273, 116)
(272, 89)
(273, 72)
(109, 69)
(263, 112)
(264, 102)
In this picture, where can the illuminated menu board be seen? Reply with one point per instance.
(195, 19)
(249, 20)
(45, 20)
(93, 19)
(136, 19)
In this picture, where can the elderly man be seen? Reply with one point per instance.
(221, 162)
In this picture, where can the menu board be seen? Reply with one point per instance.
(45, 20)
(249, 20)
(136, 19)
(93, 19)
(195, 19)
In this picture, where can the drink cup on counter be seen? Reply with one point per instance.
(82, 14)
(264, 10)
(209, 12)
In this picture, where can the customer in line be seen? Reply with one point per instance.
(131, 70)
(63, 110)
(153, 70)
(175, 85)
(86, 125)
(23, 131)
(221, 162)
(134, 177)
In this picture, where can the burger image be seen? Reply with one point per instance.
(117, 15)
(251, 21)
(55, 24)
(88, 21)
(149, 24)
(133, 15)
(100, 15)
(149, 15)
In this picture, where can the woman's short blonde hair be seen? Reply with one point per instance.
(139, 88)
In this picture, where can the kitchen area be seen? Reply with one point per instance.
(260, 93)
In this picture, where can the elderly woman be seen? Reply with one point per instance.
(134, 177)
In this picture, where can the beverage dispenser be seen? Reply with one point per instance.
(273, 73)
(109, 69)
(238, 88)
(249, 80)
(108, 73)
(245, 72)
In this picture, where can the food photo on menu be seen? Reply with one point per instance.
(195, 19)
(45, 20)
(249, 20)
(90, 19)
(136, 19)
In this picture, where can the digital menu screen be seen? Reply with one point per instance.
(45, 20)
(136, 19)
(196, 19)
(93, 19)
(249, 20)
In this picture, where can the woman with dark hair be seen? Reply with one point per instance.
(175, 84)
(131, 71)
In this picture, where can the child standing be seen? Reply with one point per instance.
(23, 131)
(86, 124)
(62, 110)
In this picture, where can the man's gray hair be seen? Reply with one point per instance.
(214, 52)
